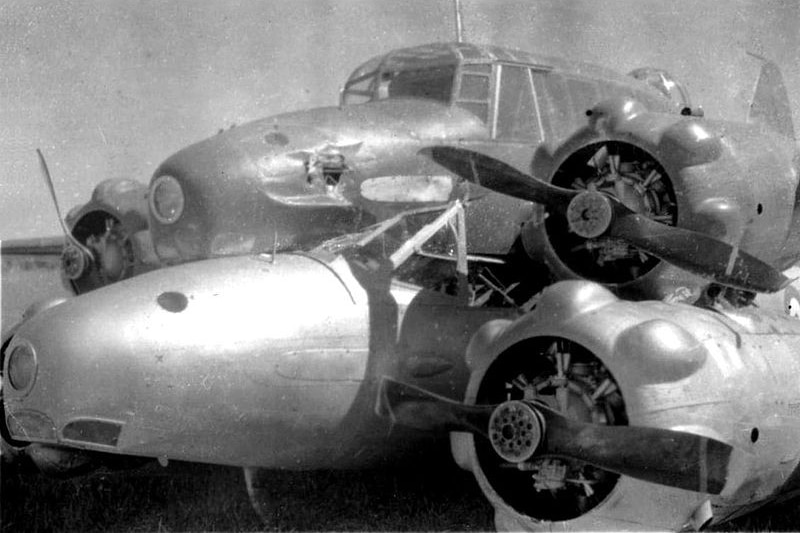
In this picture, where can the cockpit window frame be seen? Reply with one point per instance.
(376, 68)
(368, 70)
(348, 90)
(535, 120)
(481, 98)
(468, 69)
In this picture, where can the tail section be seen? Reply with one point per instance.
(770, 104)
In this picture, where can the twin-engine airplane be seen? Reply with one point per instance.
(300, 292)
(290, 181)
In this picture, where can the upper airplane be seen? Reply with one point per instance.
(290, 181)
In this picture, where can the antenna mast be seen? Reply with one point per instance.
(459, 26)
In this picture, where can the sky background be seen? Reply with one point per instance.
(110, 88)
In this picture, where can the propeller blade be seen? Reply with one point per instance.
(415, 407)
(693, 251)
(48, 181)
(662, 456)
(698, 253)
(498, 176)
(667, 457)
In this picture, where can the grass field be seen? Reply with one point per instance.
(191, 497)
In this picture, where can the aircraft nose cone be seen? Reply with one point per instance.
(244, 191)
(202, 361)
(217, 183)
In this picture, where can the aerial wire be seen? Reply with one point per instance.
(459, 25)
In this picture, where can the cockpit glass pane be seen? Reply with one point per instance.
(360, 86)
(516, 111)
(433, 82)
(430, 83)
(359, 91)
(479, 109)
(474, 87)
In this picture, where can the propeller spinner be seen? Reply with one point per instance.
(591, 214)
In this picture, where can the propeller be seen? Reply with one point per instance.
(75, 257)
(591, 214)
(518, 430)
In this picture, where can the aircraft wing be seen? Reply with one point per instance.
(33, 246)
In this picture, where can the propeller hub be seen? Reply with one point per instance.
(589, 214)
(73, 262)
(516, 429)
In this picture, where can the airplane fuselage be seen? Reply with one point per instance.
(291, 180)
(247, 361)
(288, 180)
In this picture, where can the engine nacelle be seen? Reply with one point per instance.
(49, 460)
(602, 360)
(113, 226)
(735, 182)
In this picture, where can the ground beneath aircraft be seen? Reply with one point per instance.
(190, 497)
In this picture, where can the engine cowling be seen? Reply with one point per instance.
(113, 226)
(597, 359)
(735, 182)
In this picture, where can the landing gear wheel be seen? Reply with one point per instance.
(257, 482)
(563, 376)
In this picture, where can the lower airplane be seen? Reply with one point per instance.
(582, 410)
